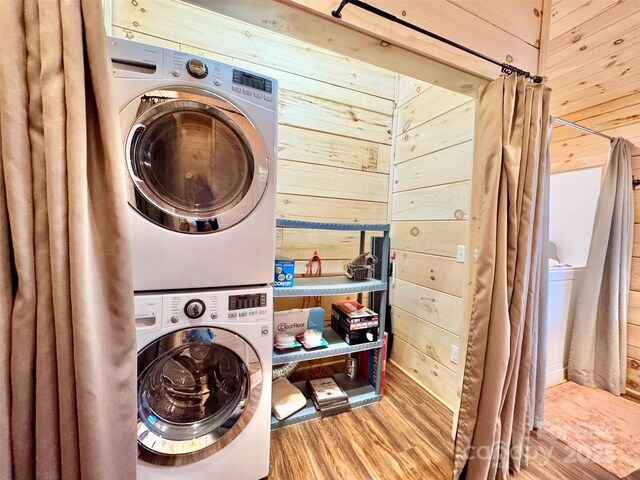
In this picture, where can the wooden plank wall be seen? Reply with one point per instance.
(429, 219)
(335, 117)
(507, 31)
(633, 326)
(594, 71)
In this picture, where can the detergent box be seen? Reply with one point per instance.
(283, 273)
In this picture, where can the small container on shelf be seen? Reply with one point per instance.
(311, 339)
(286, 341)
(283, 273)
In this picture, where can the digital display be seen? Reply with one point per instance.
(250, 80)
(252, 300)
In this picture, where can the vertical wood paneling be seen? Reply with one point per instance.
(432, 375)
(429, 210)
(437, 273)
(425, 337)
(436, 238)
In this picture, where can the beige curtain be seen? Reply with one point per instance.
(598, 339)
(503, 378)
(67, 338)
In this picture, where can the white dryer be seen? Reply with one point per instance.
(200, 142)
(204, 384)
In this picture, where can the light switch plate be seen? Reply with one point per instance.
(461, 253)
(454, 354)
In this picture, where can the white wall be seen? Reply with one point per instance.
(573, 201)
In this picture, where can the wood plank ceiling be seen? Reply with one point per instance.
(593, 67)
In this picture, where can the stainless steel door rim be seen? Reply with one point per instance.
(196, 163)
(195, 392)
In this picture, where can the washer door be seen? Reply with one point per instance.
(196, 163)
(197, 389)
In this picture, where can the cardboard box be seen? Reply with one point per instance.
(298, 320)
(353, 312)
(354, 323)
(283, 273)
(354, 337)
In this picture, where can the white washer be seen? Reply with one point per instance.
(204, 384)
(200, 141)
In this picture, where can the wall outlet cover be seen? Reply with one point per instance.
(454, 354)
(461, 253)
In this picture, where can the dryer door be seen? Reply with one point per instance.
(197, 390)
(196, 162)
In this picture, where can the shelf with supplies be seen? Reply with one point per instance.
(337, 346)
(360, 391)
(330, 285)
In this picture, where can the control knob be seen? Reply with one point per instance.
(197, 68)
(194, 308)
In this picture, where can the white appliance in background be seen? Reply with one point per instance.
(200, 142)
(563, 287)
(204, 384)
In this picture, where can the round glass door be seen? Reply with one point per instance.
(197, 164)
(194, 388)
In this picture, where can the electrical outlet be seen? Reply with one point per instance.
(460, 253)
(454, 354)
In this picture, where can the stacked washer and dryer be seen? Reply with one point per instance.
(200, 148)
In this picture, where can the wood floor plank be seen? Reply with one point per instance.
(406, 436)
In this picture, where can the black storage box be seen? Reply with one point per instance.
(354, 323)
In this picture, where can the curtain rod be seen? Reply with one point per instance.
(580, 127)
(634, 182)
(506, 68)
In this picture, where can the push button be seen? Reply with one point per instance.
(257, 94)
(235, 88)
(252, 312)
(267, 97)
(243, 314)
(246, 91)
(233, 315)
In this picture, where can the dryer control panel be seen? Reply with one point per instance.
(135, 60)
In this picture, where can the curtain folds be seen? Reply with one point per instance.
(502, 394)
(598, 338)
(67, 337)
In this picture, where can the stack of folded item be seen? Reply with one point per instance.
(328, 397)
(286, 399)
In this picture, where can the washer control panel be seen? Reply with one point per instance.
(197, 68)
(241, 305)
(252, 300)
(194, 308)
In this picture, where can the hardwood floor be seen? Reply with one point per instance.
(406, 436)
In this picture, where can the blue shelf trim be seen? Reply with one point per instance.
(360, 227)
